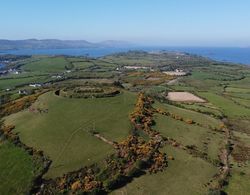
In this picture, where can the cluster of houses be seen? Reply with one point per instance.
(9, 71)
(176, 72)
(60, 76)
(135, 68)
(26, 92)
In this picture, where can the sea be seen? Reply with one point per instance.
(1, 66)
(233, 55)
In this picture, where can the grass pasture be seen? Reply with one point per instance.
(63, 132)
(242, 102)
(210, 76)
(204, 108)
(243, 83)
(12, 83)
(188, 114)
(239, 180)
(190, 135)
(239, 95)
(240, 172)
(237, 90)
(199, 84)
(226, 105)
(47, 64)
(17, 170)
(184, 175)
(82, 64)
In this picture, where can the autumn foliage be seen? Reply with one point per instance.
(142, 116)
(18, 105)
(83, 180)
(142, 119)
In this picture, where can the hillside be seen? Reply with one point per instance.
(109, 126)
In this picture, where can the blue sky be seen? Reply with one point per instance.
(151, 22)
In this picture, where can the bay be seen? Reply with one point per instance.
(234, 55)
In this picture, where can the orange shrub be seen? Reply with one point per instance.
(76, 185)
(189, 121)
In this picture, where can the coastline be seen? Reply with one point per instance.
(226, 55)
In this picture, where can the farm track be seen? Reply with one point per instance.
(99, 136)
(85, 129)
(70, 138)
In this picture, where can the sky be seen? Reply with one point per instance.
(224, 23)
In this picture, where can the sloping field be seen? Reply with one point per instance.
(11, 83)
(201, 136)
(237, 90)
(204, 139)
(205, 120)
(226, 105)
(17, 170)
(47, 64)
(60, 127)
(204, 108)
(239, 182)
(184, 175)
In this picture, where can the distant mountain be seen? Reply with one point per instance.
(56, 44)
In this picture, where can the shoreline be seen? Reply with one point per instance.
(223, 55)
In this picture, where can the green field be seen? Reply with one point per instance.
(82, 65)
(237, 90)
(205, 120)
(184, 175)
(203, 108)
(240, 172)
(63, 132)
(202, 137)
(17, 170)
(12, 83)
(190, 135)
(239, 95)
(226, 105)
(211, 76)
(48, 64)
(240, 180)
(242, 102)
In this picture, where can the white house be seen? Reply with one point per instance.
(35, 85)
(22, 92)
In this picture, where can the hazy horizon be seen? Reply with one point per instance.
(134, 44)
(151, 23)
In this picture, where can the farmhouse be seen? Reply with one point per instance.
(136, 67)
(35, 85)
(22, 92)
(56, 76)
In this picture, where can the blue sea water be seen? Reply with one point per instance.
(234, 55)
(2, 66)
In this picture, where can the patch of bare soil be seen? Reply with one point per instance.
(184, 97)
